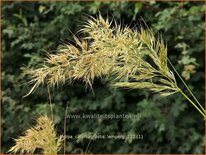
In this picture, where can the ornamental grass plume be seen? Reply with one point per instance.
(134, 59)
(41, 136)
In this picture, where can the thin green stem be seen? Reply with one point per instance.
(191, 102)
(187, 86)
(89, 143)
(65, 125)
(50, 103)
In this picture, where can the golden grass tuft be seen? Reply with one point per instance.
(41, 136)
(109, 51)
(133, 59)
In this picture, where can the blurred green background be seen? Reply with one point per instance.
(169, 125)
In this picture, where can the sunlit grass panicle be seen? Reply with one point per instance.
(41, 136)
(131, 58)
(125, 54)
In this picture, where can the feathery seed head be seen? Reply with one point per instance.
(42, 136)
(123, 53)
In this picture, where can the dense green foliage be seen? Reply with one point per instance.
(169, 125)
